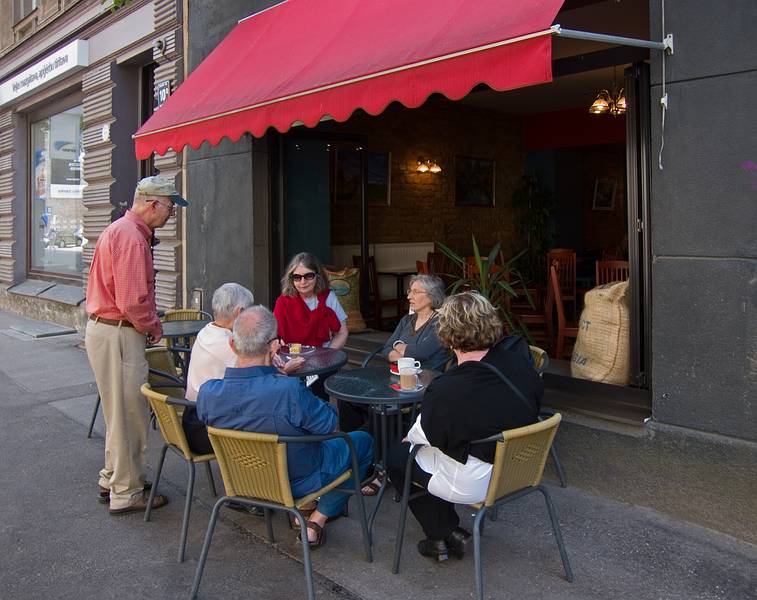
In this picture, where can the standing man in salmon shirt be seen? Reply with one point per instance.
(122, 320)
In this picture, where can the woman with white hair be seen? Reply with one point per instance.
(211, 355)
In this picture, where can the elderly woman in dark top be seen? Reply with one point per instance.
(468, 402)
(415, 335)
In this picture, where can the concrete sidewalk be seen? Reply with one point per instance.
(61, 543)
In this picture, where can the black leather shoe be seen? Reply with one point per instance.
(436, 549)
(458, 542)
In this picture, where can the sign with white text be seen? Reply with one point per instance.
(53, 67)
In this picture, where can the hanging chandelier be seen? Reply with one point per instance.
(613, 102)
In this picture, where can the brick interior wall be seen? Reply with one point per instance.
(422, 206)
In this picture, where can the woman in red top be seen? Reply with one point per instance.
(307, 311)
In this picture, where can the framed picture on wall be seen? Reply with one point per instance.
(474, 181)
(604, 193)
(347, 179)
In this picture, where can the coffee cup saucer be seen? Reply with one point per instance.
(417, 388)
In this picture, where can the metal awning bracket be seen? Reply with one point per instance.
(666, 44)
(668, 41)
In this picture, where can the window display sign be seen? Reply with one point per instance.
(53, 67)
(56, 194)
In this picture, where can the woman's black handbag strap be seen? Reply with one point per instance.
(509, 383)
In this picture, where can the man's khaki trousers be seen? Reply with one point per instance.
(117, 357)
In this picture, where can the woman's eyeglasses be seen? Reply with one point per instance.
(414, 292)
(307, 276)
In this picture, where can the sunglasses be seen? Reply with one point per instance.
(307, 276)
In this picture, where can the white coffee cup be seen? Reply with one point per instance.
(408, 363)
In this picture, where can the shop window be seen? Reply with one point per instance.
(57, 211)
(21, 8)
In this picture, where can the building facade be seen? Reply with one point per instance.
(688, 449)
(77, 79)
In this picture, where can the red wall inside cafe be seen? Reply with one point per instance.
(571, 128)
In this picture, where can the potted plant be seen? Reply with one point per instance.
(493, 277)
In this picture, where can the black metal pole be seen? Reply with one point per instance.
(365, 279)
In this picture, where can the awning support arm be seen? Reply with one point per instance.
(666, 44)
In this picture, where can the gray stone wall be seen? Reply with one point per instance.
(704, 219)
(227, 223)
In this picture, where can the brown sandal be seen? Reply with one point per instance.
(306, 512)
(320, 534)
(372, 488)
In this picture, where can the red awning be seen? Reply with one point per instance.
(303, 60)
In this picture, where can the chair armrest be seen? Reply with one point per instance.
(303, 439)
(168, 377)
(180, 402)
(371, 356)
(497, 437)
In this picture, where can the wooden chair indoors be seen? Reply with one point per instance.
(421, 267)
(371, 291)
(565, 330)
(517, 471)
(566, 259)
(611, 270)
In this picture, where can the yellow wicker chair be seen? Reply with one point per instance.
(169, 421)
(186, 314)
(182, 349)
(518, 466)
(541, 362)
(162, 377)
(254, 471)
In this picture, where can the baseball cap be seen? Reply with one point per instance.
(160, 186)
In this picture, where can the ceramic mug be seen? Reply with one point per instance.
(408, 379)
(408, 363)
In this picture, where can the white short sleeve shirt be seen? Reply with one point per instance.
(211, 355)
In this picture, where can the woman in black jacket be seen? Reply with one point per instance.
(468, 402)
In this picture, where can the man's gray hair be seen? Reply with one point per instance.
(228, 298)
(253, 330)
(433, 286)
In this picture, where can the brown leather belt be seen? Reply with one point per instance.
(115, 322)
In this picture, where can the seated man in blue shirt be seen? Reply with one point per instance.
(254, 396)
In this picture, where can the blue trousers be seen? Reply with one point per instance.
(336, 460)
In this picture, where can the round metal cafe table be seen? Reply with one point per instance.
(319, 361)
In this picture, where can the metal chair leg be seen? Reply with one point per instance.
(403, 511)
(362, 515)
(306, 555)
(478, 525)
(94, 417)
(558, 533)
(558, 466)
(211, 481)
(269, 525)
(162, 458)
(206, 547)
(187, 510)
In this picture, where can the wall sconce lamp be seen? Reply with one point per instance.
(428, 166)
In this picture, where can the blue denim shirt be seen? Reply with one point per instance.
(260, 399)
